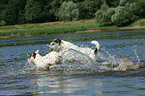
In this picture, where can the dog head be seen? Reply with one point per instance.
(32, 56)
(55, 45)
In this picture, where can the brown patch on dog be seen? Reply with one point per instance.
(32, 55)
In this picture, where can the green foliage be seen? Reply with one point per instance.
(33, 10)
(136, 6)
(140, 22)
(3, 4)
(88, 8)
(121, 16)
(123, 2)
(68, 11)
(128, 12)
(14, 12)
(3, 23)
(103, 16)
(54, 5)
(112, 3)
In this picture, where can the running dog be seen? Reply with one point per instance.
(60, 45)
(54, 59)
(44, 62)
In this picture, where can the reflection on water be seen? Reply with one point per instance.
(67, 85)
(17, 77)
(83, 85)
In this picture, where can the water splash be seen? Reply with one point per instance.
(110, 62)
(138, 59)
(73, 60)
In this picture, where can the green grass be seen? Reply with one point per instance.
(140, 22)
(47, 28)
(57, 28)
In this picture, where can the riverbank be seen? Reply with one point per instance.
(42, 29)
(113, 29)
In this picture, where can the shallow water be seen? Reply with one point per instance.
(17, 77)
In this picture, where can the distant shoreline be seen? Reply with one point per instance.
(113, 29)
(86, 31)
(53, 28)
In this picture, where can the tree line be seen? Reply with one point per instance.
(105, 12)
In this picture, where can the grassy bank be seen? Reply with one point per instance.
(56, 28)
(48, 28)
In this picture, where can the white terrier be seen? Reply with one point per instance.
(61, 45)
(44, 61)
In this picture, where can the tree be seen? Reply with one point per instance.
(121, 16)
(54, 7)
(128, 12)
(68, 11)
(14, 12)
(137, 7)
(111, 3)
(103, 16)
(2, 9)
(33, 10)
(88, 8)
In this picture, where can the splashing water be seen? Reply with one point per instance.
(117, 64)
(73, 60)
(138, 59)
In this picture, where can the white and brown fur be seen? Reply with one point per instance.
(61, 45)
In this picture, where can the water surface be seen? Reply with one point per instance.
(17, 77)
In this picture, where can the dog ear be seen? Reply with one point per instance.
(34, 55)
(57, 41)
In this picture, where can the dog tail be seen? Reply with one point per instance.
(97, 46)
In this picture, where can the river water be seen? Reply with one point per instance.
(18, 77)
